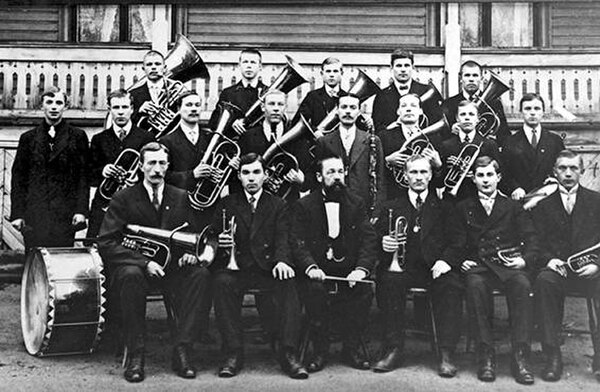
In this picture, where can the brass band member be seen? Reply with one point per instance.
(412, 257)
(106, 147)
(528, 155)
(49, 187)
(568, 222)
(152, 203)
(482, 225)
(385, 105)
(258, 257)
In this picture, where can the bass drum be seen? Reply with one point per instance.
(62, 301)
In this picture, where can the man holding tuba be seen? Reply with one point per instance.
(152, 203)
(412, 231)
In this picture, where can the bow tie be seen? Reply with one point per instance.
(565, 192)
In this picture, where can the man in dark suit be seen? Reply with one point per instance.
(106, 147)
(528, 155)
(481, 227)
(568, 222)
(412, 258)
(354, 146)
(49, 188)
(262, 260)
(385, 104)
(331, 235)
(152, 203)
(471, 78)
(466, 120)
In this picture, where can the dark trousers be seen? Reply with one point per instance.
(229, 287)
(186, 287)
(97, 212)
(446, 295)
(322, 299)
(550, 292)
(480, 301)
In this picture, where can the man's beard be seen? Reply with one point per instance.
(335, 190)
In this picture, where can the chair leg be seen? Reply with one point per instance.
(305, 342)
(434, 336)
(171, 315)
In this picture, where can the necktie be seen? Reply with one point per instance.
(467, 139)
(252, 200)
(569, 202)
(487, 204)
(155, 201)
(273, 132)
(419, 202)
(121, 132)
(534, 140)
(193, 137)
(52, 131)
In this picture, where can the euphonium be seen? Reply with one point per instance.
(396, 230)
(488, 119)
(461, 167)
(581, 259)
(128, 161)
(230, 230)
(164, 120)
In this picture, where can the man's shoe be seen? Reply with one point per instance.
(355, 359)
(231, 367)
(317, 363)
(596, 366)
(390, 360)
(446, 368)
(134, 370)
(487, 365)
(181, 364)
(292, 366)
(554, 366)
(519, 367)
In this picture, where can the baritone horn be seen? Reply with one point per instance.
(230, 231)
(587, 256)
(489, 122)
(397, 229)
(430, 96)
(461, 167)
(127, 164)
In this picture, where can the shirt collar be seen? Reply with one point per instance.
(486, 197)
(253, 83)
(187, 129)
(412, 196)
(406, 85)
(332, 92)
(408, 133)
(257, 196)
(471, 135)
(468, 96)
(350, 131)
(126, 128)
(572, 191)
(150, 190)
(527, 129)
(159, 84)
(267, 129)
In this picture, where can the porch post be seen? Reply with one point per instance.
(452, 50)
(161, 30)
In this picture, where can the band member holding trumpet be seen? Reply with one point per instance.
(569, 223)
(494, 242)
(412, 231)
(332, 240)
(152, 203)
(256, 255)
(106, 147)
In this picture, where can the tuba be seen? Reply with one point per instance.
(292, 76)
(581, 259)
(430, 96)
(488, 119)
(156, 244)
(460, 168)
(220, 152)
(230, 230)
(395, 230)
(280, 162)
(127, 162)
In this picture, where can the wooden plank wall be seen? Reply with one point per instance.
(575, 24)
(11, 237)
(37, 23)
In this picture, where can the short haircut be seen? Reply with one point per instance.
(569, 154)
(119, 93)
(52, 91)
(470, 63)
(417, 157)
(531, 97)
(251, 157)
(273, 92)
(251, 51)
(324, 158)
(485, 161)
(185, 95)
(153, 53)
(329, 61)
(152, 147)
(348, 94)
(410, 95)
(464, 103)
(403, 54)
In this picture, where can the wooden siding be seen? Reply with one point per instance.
(29, 23)
(575, 24)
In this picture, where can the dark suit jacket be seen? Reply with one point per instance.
(308, 235)
(50, 183)
(184, 157)
(562, 235)
(524, 167)
(357, 163)
(476, 236)
(450, 108)
(239, 96)
(260, 240)
(385, 105)
(316, 105)
(133, 206)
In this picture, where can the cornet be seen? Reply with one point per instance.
(230, 231)
(580, 259)
(461, 167)
(128, 161)
(396, 230)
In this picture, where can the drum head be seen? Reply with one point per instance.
(34, 302)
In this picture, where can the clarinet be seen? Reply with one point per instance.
(372, 170)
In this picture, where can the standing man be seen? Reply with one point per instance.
(471, 82)
(482, 226)
(49, 187)
(528, 155)
(262, 260)
(385, 105)
(152, 203)
(331, 235)
(106, 147)
(418, 254)
(568, 222)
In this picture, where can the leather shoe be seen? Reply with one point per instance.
(134, 371)
(554, 366)
(292, 366)
(317, 363)
(231, 367)
(519, 367)
(596, 366)
(446, 368)
(390, 360)
(355, 359)
(181, 364)
(487, 365)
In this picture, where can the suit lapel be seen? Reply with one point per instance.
(359, 145)
(334, 143)
(263, 211)
(242, 208)
(43, 142)
(61, 140)
(166, 207)
(429, 214)
(498, 210)
(578, 215)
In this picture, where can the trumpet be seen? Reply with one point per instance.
(229, 230)
(128, 162)
(461, 167)
(395, 230)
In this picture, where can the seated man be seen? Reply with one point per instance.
(260, 259)
(412, 258)
(152, 203)
(331, 235)
(568, 222)
(482, 226)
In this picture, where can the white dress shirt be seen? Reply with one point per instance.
(150, 190)
(269, 133)
(487, 201)
(568, 197)
(403, 88)
(191, 133)
(256, 196)
(347, 136)
(529, 132)
(156, 88)
(117, 129)
(412, 196)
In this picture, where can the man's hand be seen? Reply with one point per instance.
(154, 270)
(456, 129)
(390, 243)
(396, 159)
(319, 133)
(439, 268)
(467, 265)
(18, 224)
(202, 170)
(238, 126)
(235, 163)
(451, 160)
(517, 194)
(187, 259)
(282, 271)
(558, 266)
(515, 263)
(433, 156)
(316, 274)
(78, 219)
(113, 171)
(357, 274)
(368, 121)
(149, 108)
(294, 176)
(588, 271)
